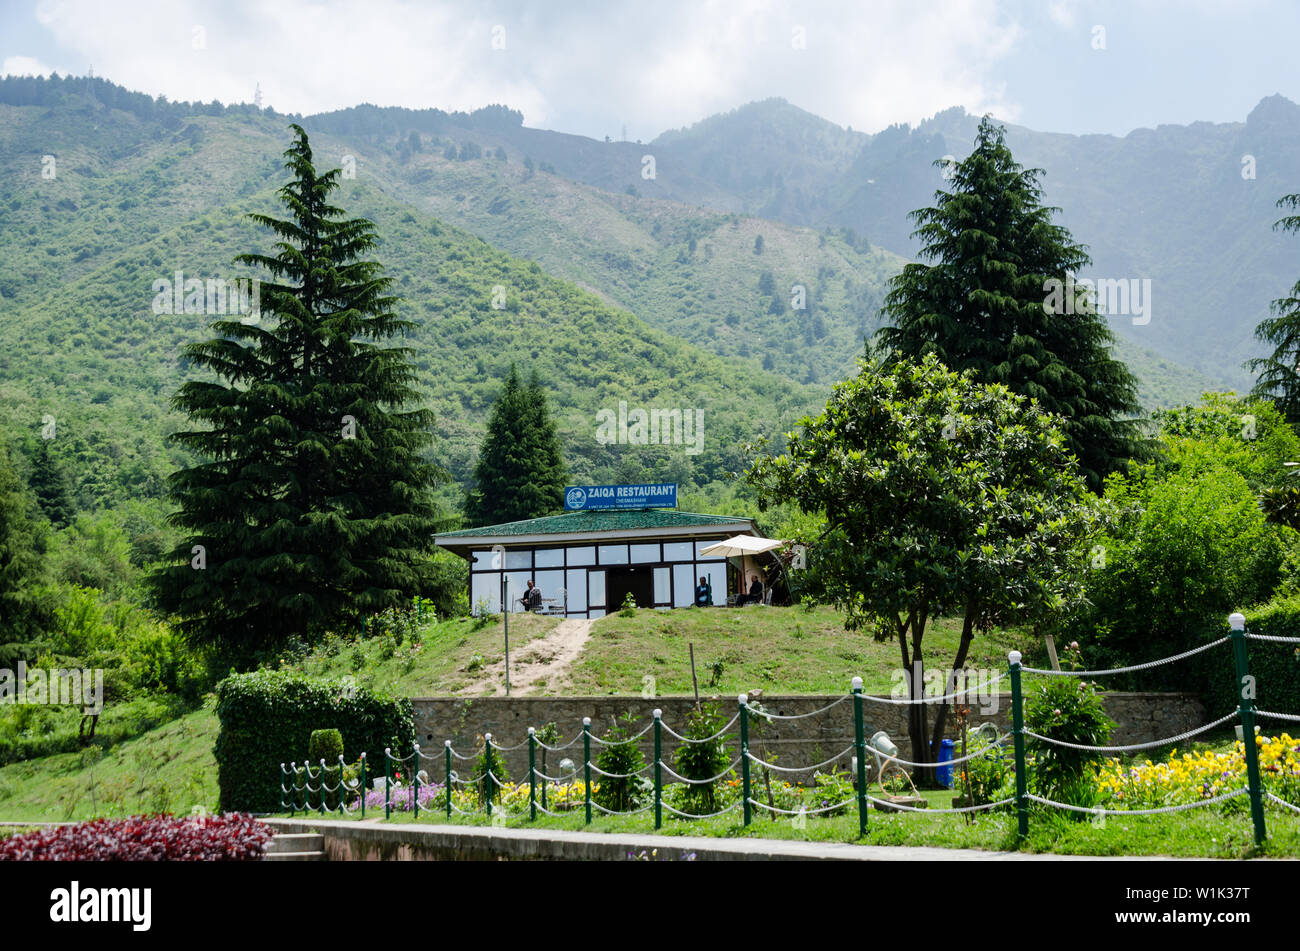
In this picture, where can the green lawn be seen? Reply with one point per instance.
(778, 650)
(168, 769)
(450, 656)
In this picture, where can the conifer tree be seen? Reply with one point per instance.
(520, 472)
(50, 486)
(982, 305)
(1278, 375)
(312, 504)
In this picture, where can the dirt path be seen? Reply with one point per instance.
(545, 659)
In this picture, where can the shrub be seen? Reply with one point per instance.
(267, 718)
(490, 761)
(326, 745)
(625, 791)
(702, 759)
(628, 608)
(234, 837)
(1275, 667)
(1067, 709)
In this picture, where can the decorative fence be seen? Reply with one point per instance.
(340, 793)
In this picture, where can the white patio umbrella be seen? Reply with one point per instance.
(738, 546)
(741, 546)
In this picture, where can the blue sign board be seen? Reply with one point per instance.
(658, 495)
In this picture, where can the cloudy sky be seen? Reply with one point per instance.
(594, 67)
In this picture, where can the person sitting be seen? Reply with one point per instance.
(755, 595)
(703, 593)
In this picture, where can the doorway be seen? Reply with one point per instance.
(637, 581)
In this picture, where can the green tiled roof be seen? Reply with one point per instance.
(600, 521)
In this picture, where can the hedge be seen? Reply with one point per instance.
(1275, 667)
(267, 718)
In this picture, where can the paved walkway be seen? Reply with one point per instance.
(449, 841)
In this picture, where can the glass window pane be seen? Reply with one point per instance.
(549, 557)
(595, 613)
(700, 546)
(486, 560)
(519, 559)
(717, 577)
(585, 555)
(517, 582)
(485, 588)
(552, 585)
(684, 581)
(645, 553)
(577, 585)
(596, 590)
(613, 554)
(663, 595)
(678, 551)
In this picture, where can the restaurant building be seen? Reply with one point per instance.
(587, 560)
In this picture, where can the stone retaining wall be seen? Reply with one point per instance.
(1141, 717)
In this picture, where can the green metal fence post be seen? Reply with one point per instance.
(659, 778)
(342, 787)
(487, 771)
(532, 774)
(388, 782)
(364, 787)
(1246, 710)
(586, 764)
(446, 755)
(1018, 738)
(415, 783)
(860, 744)
(320, 803)
(743, 700)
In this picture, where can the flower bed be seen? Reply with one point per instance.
(228, 838)
(1201, 774)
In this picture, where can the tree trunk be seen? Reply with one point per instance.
(963, 647)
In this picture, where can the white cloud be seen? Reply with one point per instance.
(23, 66)
(655, 66)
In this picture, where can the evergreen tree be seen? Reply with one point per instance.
(520, 472)
(1278, 375)
(313, 504)
(50, 486)
(25, 607)
(983, 305)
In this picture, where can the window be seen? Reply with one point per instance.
(596, 590)
(549, 557)
(485, 560)
(485, 587)
(700, 546)
(684, 581)
(576, 582)
(613, 554)
(585, 555)
(641, 554)
(663, 594)
(519, 559)
(679, 551)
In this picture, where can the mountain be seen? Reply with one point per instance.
(132, 202)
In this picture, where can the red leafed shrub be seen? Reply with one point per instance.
(234, 837)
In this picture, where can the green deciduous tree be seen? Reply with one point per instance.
(520, 472)
(981, 305)
(25, 605)
(943, 497)
(1278, 375)
(312, 505)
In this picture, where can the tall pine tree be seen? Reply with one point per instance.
(1278, 375)
(520, 472)
(981, 305)
(313, 504)
(50, 486)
